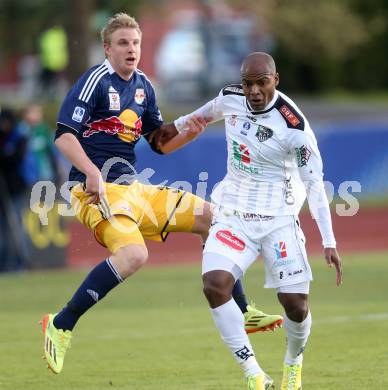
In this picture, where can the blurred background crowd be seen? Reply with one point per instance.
(332, 56)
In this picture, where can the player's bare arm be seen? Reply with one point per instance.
(190, 126)
(168, 139)
(70, 147)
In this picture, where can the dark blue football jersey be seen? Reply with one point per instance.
(109, 115)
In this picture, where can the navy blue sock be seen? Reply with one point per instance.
(96, 285)
(239, 296)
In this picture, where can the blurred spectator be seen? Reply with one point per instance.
(39, 147)
(54, 58)
(14, 188)
(181, 61)
(204, 49)
(29, 69)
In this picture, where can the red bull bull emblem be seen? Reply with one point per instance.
(128, 126)
(111, 126)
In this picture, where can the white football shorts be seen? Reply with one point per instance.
(241, 237)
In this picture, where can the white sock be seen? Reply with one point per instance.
(297, 335)
(230, 322)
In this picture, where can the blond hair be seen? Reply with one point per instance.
(119, 20)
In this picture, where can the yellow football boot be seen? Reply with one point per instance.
(260, 382)
(292, 377)
(56, 343)
(257, 321)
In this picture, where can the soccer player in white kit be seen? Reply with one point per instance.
(271, 152)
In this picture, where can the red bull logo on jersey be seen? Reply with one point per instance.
(127, 126)
(280, 249)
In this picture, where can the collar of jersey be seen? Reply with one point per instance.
(111, 70)
(109, 66)
(267, 108)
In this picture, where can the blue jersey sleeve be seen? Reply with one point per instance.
(152, 118)
(80, 102)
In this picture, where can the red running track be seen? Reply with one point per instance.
(366, 231)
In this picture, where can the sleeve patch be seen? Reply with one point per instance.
(78, 114)
(289, 115)
(303, 154)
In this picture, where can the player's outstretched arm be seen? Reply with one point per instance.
(194, 127)
(171, 137)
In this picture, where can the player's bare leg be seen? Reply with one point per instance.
(203, 219)
(129, 259)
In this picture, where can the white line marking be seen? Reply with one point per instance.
(361, 317)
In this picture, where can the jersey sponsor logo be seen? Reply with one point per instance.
(285, 274)
(78, 114)
(283, 263)
(303, 154)
(252, 118)
(246, 126)
(251, 217)
(242, 158)
(280, 250)
(139, 95)
(114, 100)
(263, 133)
(127, 126)
(288, 192)
(230, 240)
(232, 120)
(241, 152)
(287, 113)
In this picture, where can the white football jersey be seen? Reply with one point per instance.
(270, 153)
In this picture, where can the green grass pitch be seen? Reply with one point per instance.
(155, 332)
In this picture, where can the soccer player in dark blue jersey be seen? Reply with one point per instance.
(101, 119)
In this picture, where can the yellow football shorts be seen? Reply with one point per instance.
(129, 213)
